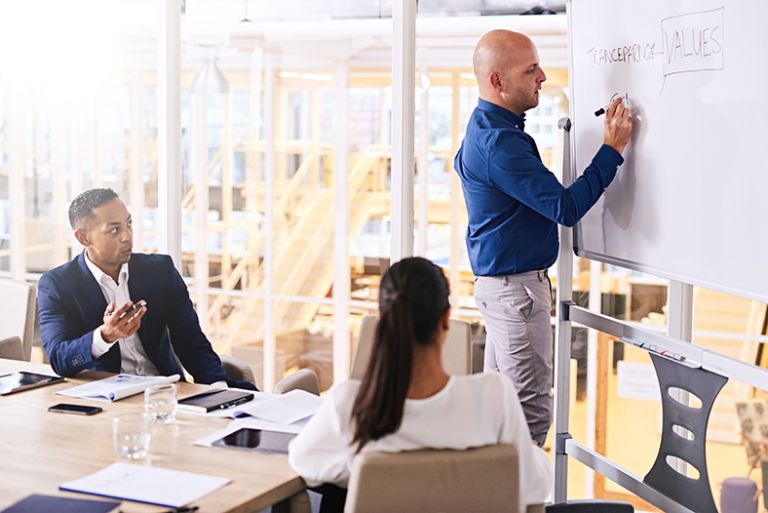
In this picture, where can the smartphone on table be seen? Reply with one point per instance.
(77, 409)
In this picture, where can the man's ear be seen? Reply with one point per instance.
(495, 80)
(82, 236)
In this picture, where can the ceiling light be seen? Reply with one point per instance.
(209, 79)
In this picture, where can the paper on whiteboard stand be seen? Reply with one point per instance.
(638, 381)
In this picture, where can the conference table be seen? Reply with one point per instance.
(39, 450)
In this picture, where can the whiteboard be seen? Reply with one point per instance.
(690, 202)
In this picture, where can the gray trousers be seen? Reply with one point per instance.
(518, 343)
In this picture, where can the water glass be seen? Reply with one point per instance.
(131, 434)
(160, 403)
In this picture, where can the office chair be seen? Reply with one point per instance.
(457, 353)
(302, 379)
(17, 317)
(11, 348)
(237, 370)
(449, 481)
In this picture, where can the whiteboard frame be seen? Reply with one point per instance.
(608, 259)
(567, 313)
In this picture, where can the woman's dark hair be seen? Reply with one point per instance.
(413, 296)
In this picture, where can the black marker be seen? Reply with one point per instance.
(602, 110)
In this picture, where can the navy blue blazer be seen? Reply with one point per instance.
(71, 306)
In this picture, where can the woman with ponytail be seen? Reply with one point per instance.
(406, 400)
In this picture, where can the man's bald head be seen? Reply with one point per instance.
(507, 70)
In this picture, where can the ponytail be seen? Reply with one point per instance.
(378, 407)
(412, 299)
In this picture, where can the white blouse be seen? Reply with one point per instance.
(470, 411)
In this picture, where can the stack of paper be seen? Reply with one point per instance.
(117, 387)
(284, 413)
(283, 408)
(152, 485)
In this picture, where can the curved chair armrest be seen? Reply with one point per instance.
(237, 370)
(302, 379)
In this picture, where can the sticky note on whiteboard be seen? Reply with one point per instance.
(638, 381)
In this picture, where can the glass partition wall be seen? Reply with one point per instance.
(76, 111)
(286, 158)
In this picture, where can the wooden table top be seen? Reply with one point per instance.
(40, 450)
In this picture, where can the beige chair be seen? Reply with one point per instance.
(457, 353)
(237, 370)
(302, 379)
(17, 317)
(11, 349)
(478, 480)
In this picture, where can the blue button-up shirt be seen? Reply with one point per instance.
(514, 202)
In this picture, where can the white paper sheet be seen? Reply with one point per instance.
(152, 485)
(284, 408)
(117, 387)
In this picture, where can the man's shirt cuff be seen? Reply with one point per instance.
(99, 346)
(608, 157)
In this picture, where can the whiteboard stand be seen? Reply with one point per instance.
(683, 363)
(680, 325)
(563, 334)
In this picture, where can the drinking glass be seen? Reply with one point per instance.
(131, 434)
(160, 403)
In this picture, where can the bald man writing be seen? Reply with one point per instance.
(515, 204)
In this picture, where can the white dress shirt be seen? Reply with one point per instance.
(470, 411)
(133, 358)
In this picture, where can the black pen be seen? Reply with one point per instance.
(184, 509)
(240, 400)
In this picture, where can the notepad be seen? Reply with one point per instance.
(215, 400)
(117, 387)
(151, 485)
(50, 503)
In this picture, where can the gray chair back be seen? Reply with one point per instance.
(457, 352)
(11, 349)
(17, 317)
(302, 379)
(237, 370)
(478, 480)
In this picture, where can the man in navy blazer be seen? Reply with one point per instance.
(113, 310)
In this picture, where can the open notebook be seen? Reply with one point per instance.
(117, 387)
